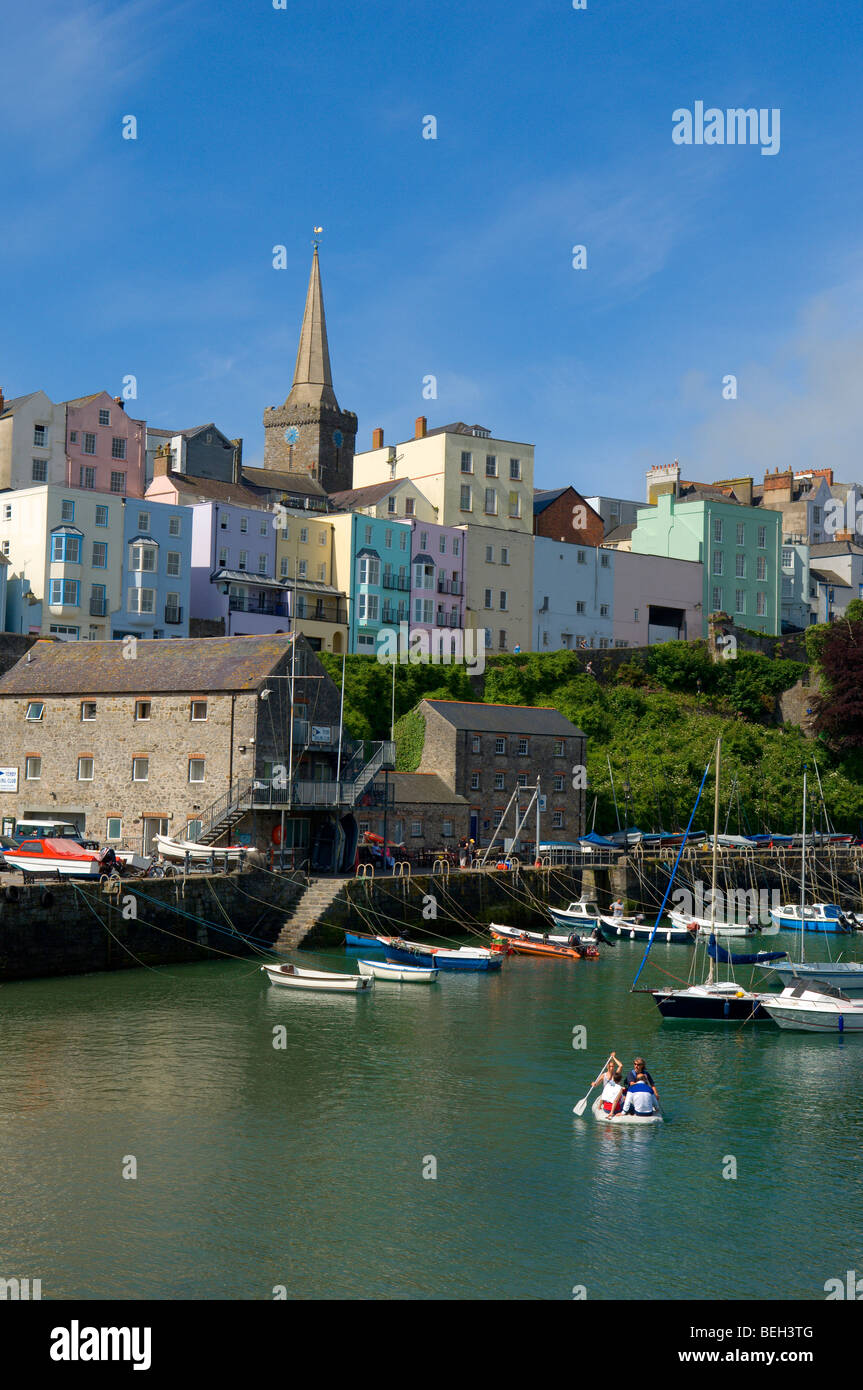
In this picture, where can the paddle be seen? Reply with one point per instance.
(580, 1106)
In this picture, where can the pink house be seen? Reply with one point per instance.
(105, 447)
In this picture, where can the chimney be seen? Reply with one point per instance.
(118, 400)
(2, 401)
(420, 427)
(237, 465)
(377, 439)
(162, 462)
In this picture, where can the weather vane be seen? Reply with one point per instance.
(318, 231)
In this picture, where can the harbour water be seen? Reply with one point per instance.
(303, 1166)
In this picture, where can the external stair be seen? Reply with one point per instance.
(320, 894)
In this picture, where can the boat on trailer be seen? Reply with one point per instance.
(811, 1008)
(620, 1119)
(179, 849)
(397, 973)
(54, 856)
(325, 981)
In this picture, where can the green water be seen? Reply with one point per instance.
(303, 1167)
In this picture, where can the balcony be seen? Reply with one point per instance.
(389, 615)
(173, 615)
(397, 581)
(322, 613)
(98, 607)
(447, 619)
(449, 586)
(261, 603)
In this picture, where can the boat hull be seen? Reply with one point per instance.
(808, 1020)
(545, 949)
(439, 961)
(639, 1121)
(641, 931)
(67, 868)
(685, 1005)
(562, 917)
(397, 974)
(369, 943)
(321, 981)
(788, 921)
(848, 978)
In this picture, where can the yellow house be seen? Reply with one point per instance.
(305, 557)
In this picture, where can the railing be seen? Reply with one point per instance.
(241, 603)
(321, 614)
(449, 586)
(447, 620)
(397, 581)
(389, 615)
(173, 615)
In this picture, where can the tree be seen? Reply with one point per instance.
(839, 709)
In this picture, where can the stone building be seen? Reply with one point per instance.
(310, 433)
(190, 738)
(484, 751)
(424, 813)
(563, 515)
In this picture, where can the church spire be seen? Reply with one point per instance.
(313, 379)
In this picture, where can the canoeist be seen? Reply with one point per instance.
(640, 1097)
(612, 1090)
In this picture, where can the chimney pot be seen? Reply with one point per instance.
(420, 427)
(118, 400)
(377, 439)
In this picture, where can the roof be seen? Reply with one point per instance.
(620, 533)
(169, 664)
(826, 548)
(829, 577)
(503, 719)
(213, 490)
(419, 787)
(85, 400)
(261, 581)
(10, 407)
(544, 498)
(274, 480)
(355, 497)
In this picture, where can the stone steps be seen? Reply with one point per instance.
(309, 908)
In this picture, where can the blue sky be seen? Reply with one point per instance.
(452, 256)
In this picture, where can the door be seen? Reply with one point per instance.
(474, 825)
(153, 826)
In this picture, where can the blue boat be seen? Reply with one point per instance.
(368, 943)
(438, 958)
(823, 917)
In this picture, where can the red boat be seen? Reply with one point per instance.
(64, 857)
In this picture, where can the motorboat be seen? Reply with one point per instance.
(181, 849)
(810, 1008)
(523, 945)
(846, 976)
(637, 929)
(824, 917)
(584, 913)
(292, 977)
(396, 973)
(621, 1119)
(54, 856)
(553, 938)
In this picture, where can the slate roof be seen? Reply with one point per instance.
(620, 533)
(170, 664)
(829, 577)
(825, 548)
(356, 497)
(503, 719)
(422, 788)
(11, 406)
(213, 490)
(274, 480)
(544, 498)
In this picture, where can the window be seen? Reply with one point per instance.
(262, 565)
(603, 610)
(87, 477)
(35, 711)
(88, 710)
(243, 562)
(416, 829)
(40, 436)
(174, 526)
(369, 608)
(4, 546)
(816, 516)
(504, 600)
(787, 558)
(582, 557)
(522, 748)
(762, 537)
(489, 554)
(465, 503)
(100, 555)
(172, 608)
(223, 558)
(717, 600)
(118, 448)
(67, 510)
(40, 470)
(142, 709)
(475, 743)
(141, 600)
(604, 561)
(491, 466)
(580, 606)
(466, 461)
(223, 521)
(370, 570)
(488, 599)
(322, 572)
(474, 781)
(101, 516)
(559, 747)
(455, 545)
(118, 483)
(558, 782)
(85, 769)
(504, 555)
(140, 769)
(740, 600)
(172, 564)
(521, 780)
(244, 525)
(304, 535)
(392, 505)
(500, 745)
(424, 540)
(409, 506)
(761, 605)
(262, 527)
(740, 566)
(89, 445)
(143, 521)
(487, 636)
(761, 567)
(515, 504)
(502, 639)
(115, 828)
(196, 769)
(403, 540)
(7, 512)
(142, 558)
(515, 469)
(635, 615)
(322, 537)
(557, 820)
(441, 544)
(68, 633)
(718, 561)
(490, 501)
(499, 781)
(717, 529)
(66, 549)
(73, 436)
(447, 830)
(64, 593)
(32, 768)
(198, 711)
(740, 533)
(104, 417)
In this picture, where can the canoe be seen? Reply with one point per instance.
(292, 977)
(621, 1119)
(397, 974)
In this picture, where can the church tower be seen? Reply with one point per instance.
(309, 433)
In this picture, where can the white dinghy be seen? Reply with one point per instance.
(397, 973)
(621, 1119)
(292, 977)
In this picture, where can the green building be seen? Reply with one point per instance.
(738, 547)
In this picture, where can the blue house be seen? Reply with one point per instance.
(373, 564)
(157, 571)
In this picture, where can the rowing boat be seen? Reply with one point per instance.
(641, 931)
(292, 977)
(442, 958)
(621, 1119)
(396, 973)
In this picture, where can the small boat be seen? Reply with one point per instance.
(398, 974)
(368, 943)
(642, 930)
(443, 958)
(556, 938)
(704, 927)
(523, 945)
(54, 856)
(810, 1008)
(584, 913)
(824, 917)
(846, 976)
(292, 977)
(621, 1119)
(179, 849)
(721, 1001)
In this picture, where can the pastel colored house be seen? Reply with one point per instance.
(32, 441)
(305, 560)
(105, 447)
(836, 577)
(372, 563)
(157, 571)
(573, 587)
(65, 561)
(656, 599)
(235, 590)
(438, 567)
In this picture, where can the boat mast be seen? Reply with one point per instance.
(803, 876)
(613, 792)
(715, 850)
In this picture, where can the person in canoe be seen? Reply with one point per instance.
(640, 1097)
(612, 1090)
(640, 1066)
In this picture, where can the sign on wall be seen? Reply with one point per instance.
(8, 779)
(320, 733)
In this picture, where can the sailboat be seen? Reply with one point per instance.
(843, 975)
(715, 1000)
